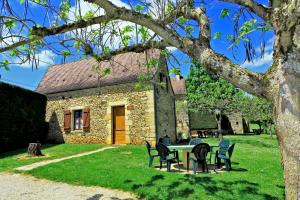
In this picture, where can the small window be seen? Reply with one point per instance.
(237, 123)
(78, 121)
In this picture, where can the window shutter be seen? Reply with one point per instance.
(67, 121)
(86, 119)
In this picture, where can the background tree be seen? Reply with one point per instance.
(209, 93)
(183, 24)
(259, 111)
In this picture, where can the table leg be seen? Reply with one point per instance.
(188, 160)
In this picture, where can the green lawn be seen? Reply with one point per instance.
(13, 159)
(257, 173)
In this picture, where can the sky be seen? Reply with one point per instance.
(29, 78)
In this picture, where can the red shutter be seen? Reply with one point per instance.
(86, 119)
(67, 121)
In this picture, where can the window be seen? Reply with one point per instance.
(78, 121)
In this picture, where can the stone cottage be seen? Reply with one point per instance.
(84, 107)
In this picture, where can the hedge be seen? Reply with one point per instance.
(22, 117)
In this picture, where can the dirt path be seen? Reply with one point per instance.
(46, 162)
(19, 186)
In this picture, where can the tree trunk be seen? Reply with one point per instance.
(287, 117)
(34, 149)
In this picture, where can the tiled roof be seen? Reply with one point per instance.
(178, 84)
(124, 68)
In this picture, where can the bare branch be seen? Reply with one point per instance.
(171, 37)
(258, 9)
(134, 48)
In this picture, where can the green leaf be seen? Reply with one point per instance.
(88, 15)
(189, 30)
(106, 50)
(217, 35)
(13, 52)
(182, 20)
(21, 1)
(105, 72)
(224, 13)
(65, 53)
(139, 8)
(175, 71)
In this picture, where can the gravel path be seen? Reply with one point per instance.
(46, 162)
(24, 187)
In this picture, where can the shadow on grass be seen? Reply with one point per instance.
(255, 143)
(190, 185)
(23, 150)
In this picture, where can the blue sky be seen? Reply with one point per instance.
(29, 78)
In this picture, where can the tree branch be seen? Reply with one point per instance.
(171, 37)
(41, 32)
(134, 48)
(220, 65)
(258, 9)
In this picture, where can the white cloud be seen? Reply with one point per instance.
(260, 62)
(44, 59)
(268, 47)
(172, 49)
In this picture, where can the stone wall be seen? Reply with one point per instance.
(139, 114)
(237, 124)
(165, 107)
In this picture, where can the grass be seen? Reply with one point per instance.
(257, 173)
(13, 159)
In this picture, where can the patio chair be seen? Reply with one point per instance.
(166, 140)
(195, 141)
(151, 156)
(200, 151)
(166, 155)
(221, 154)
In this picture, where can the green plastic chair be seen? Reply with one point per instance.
(195, 141)
(225, 148)
(200, 151)
(166, 155)
(151, 156)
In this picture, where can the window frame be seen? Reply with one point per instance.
(80, 125)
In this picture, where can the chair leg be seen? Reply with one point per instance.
(205, 164)
(150, 161)
(178, 163)
(229, 164)
(195, 166)
(168, 166)
(226, 164)
(160, 166)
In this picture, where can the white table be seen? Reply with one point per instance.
(186, 149)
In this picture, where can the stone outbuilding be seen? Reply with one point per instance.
(84, 107)
(188, 122)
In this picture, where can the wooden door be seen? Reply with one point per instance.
(119, 125)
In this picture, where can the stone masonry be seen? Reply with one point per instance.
(139, 114)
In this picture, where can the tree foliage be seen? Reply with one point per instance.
(209, 92)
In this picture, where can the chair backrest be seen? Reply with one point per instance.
(200, 151)
(195, 141)
(230, 150)
(148, 146)
(223, 147)
(162, 150)
(166, 140)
